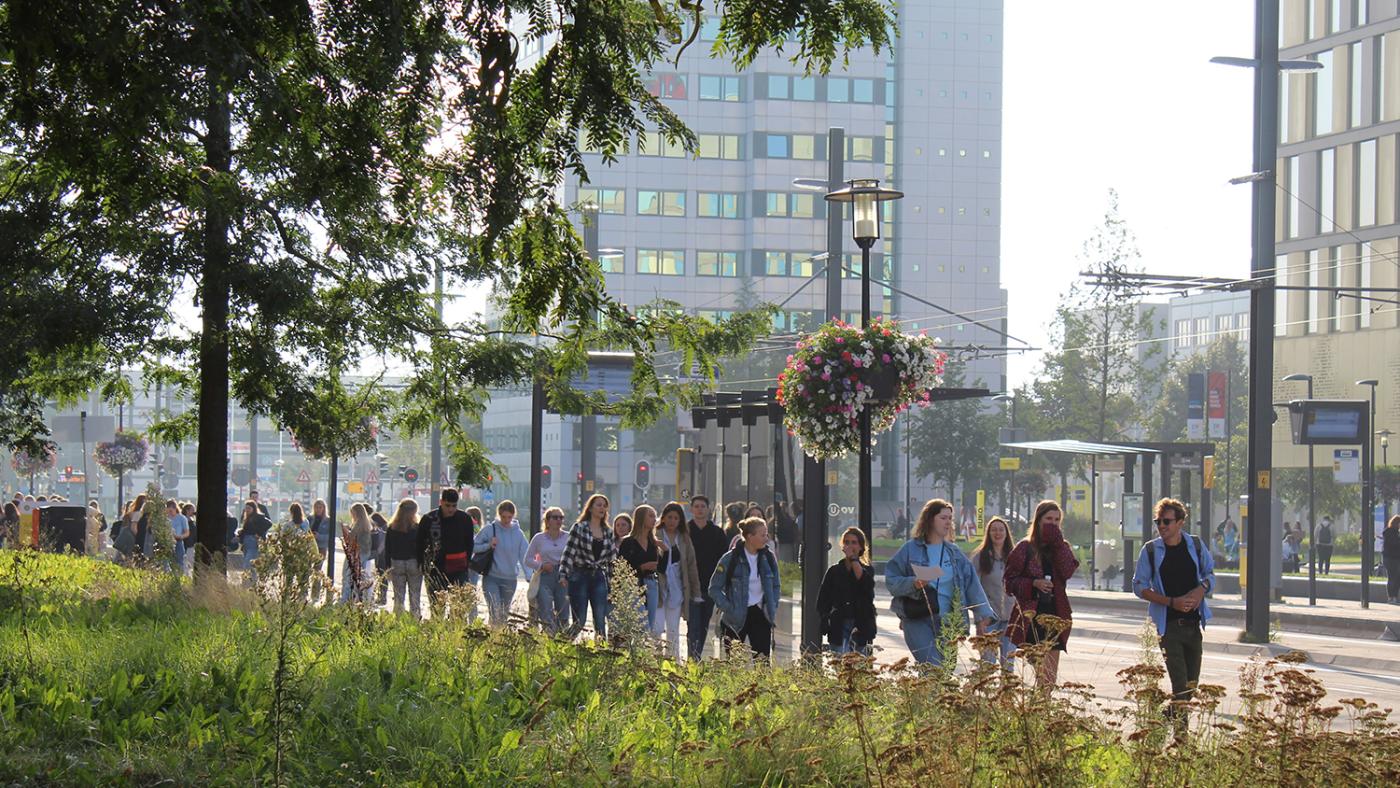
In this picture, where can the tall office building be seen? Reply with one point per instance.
(727, 227)
(1338, 220)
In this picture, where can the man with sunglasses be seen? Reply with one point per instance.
(1174, 573)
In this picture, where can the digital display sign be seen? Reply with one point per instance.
(1329, 421)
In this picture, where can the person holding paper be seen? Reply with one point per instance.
(923, 577)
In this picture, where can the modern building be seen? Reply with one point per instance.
(728, 228)
(1339, 209)
(1196, 321)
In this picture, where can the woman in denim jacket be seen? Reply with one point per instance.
(745, 589)
(922, 606)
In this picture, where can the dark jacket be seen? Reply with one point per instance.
(258, 525)
(1390, 544)
(438, 535)
(842, 596)
(710, 545)
(1023, 567)
(403, 545)
(633, 553)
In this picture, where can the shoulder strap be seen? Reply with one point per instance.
(1152, 559)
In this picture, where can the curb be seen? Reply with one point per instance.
(1264, 650)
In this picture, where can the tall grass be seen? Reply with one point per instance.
(130, 682)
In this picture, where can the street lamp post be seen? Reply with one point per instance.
(865, 196)
(1368, 498)
(1312, 527)
(1385, 461)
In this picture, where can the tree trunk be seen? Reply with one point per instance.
(213, 343)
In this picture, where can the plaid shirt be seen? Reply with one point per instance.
(578, 553)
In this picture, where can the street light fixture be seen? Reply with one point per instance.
(865, 196)
(1312, 520)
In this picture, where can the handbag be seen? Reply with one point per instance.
(533, 591)
(924, 606)
(481, 562)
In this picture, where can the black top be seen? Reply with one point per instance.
(403, 545)
(1179, 577)
(1390, 544)
(632, 552)
(842, 596)
(438, 535)
(258, 525)
(710, 545)
(1324, 535)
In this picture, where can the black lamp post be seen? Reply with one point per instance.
(865, 196)
(1312, 528)
(1385, 461)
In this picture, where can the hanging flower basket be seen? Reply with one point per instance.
(125, 452)
(840, 370)
(26, 464)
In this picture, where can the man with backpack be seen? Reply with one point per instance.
(1174, 573)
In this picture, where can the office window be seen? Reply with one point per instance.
(1327, 191)
(1336, 16)
(801, 263)
(777, 204)
(804, 146)
(1242, 325)
(838, 90)
(607, 200)
(863, 91)
(667, 262)
(667, 86)
(1354, 75)
(612, 263)
(717, 88)
(779, 146)
(1365, 183)
(1310, 21)
(1183, 333)
(1295, 190)
(1365, 281)
(1285, 121)
(714, 315)
(720, 146)
(803, 206)
(651, 143)
(1322, 87)
(659, 203)
(860, 149)
(1360, 12)
(1222, 325)
(775, 263)
(1314, 296)
(723, 205)
(717, 263)
(777, 86)
(1281, 314)
(804, 88)
(1203, 331)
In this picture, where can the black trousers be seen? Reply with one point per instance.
(1392, 578)
(758, 630)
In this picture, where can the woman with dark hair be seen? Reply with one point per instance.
(680, 582)
(990, 562)
(1037, 575)
(923, 576)
(622, 527)
(587, 564)
(733, 513)
(846, 602)
(1390, 556)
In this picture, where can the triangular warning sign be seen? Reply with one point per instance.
(303, 477)
(372, 477)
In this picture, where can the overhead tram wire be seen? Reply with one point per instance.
(940, 308)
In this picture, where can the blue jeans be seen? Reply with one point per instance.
(250, 553)
(844, 638)
(589, 588)
(651, 591)
(922, 640)
(348, 590)
(698, 626)
(552, 604)
(500, 592)
(179, 556)
(1006, 647)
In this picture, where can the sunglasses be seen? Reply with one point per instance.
(1165, 521)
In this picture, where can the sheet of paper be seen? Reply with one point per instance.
(927, 573)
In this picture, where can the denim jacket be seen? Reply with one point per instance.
(899, 578)
(1146, 576)
(729, 586)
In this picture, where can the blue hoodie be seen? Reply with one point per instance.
(511, 549)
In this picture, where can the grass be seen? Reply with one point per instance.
(114, 676)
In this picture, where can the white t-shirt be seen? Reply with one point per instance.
(755, 582)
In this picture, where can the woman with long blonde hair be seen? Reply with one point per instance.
(359, 556)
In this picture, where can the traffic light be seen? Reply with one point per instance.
(643, 474)
(546, 477)
(403, 470)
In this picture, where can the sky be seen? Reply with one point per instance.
(1104, 95)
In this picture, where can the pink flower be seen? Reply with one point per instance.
(885, 358)
(860, 386)
(826, 376)
(789, 359)
(840, 340)
(856, 361)
(816, 359)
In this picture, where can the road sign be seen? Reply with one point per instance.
(981, 510)
(171, 481)
(303, 477)
(1011, 463)
(354, 487)
(488, 496)
(1346, 466)
(240, 476)
(410, 475)
(372, 477)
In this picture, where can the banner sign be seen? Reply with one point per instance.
(1195, 406)
(1216, 405)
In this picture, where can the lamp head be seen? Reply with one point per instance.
(1372, 382)
(1297, 376)
(865, 194)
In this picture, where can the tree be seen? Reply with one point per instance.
(1093, 385)
(1329, 497)
(303, 168)
(954, 441)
